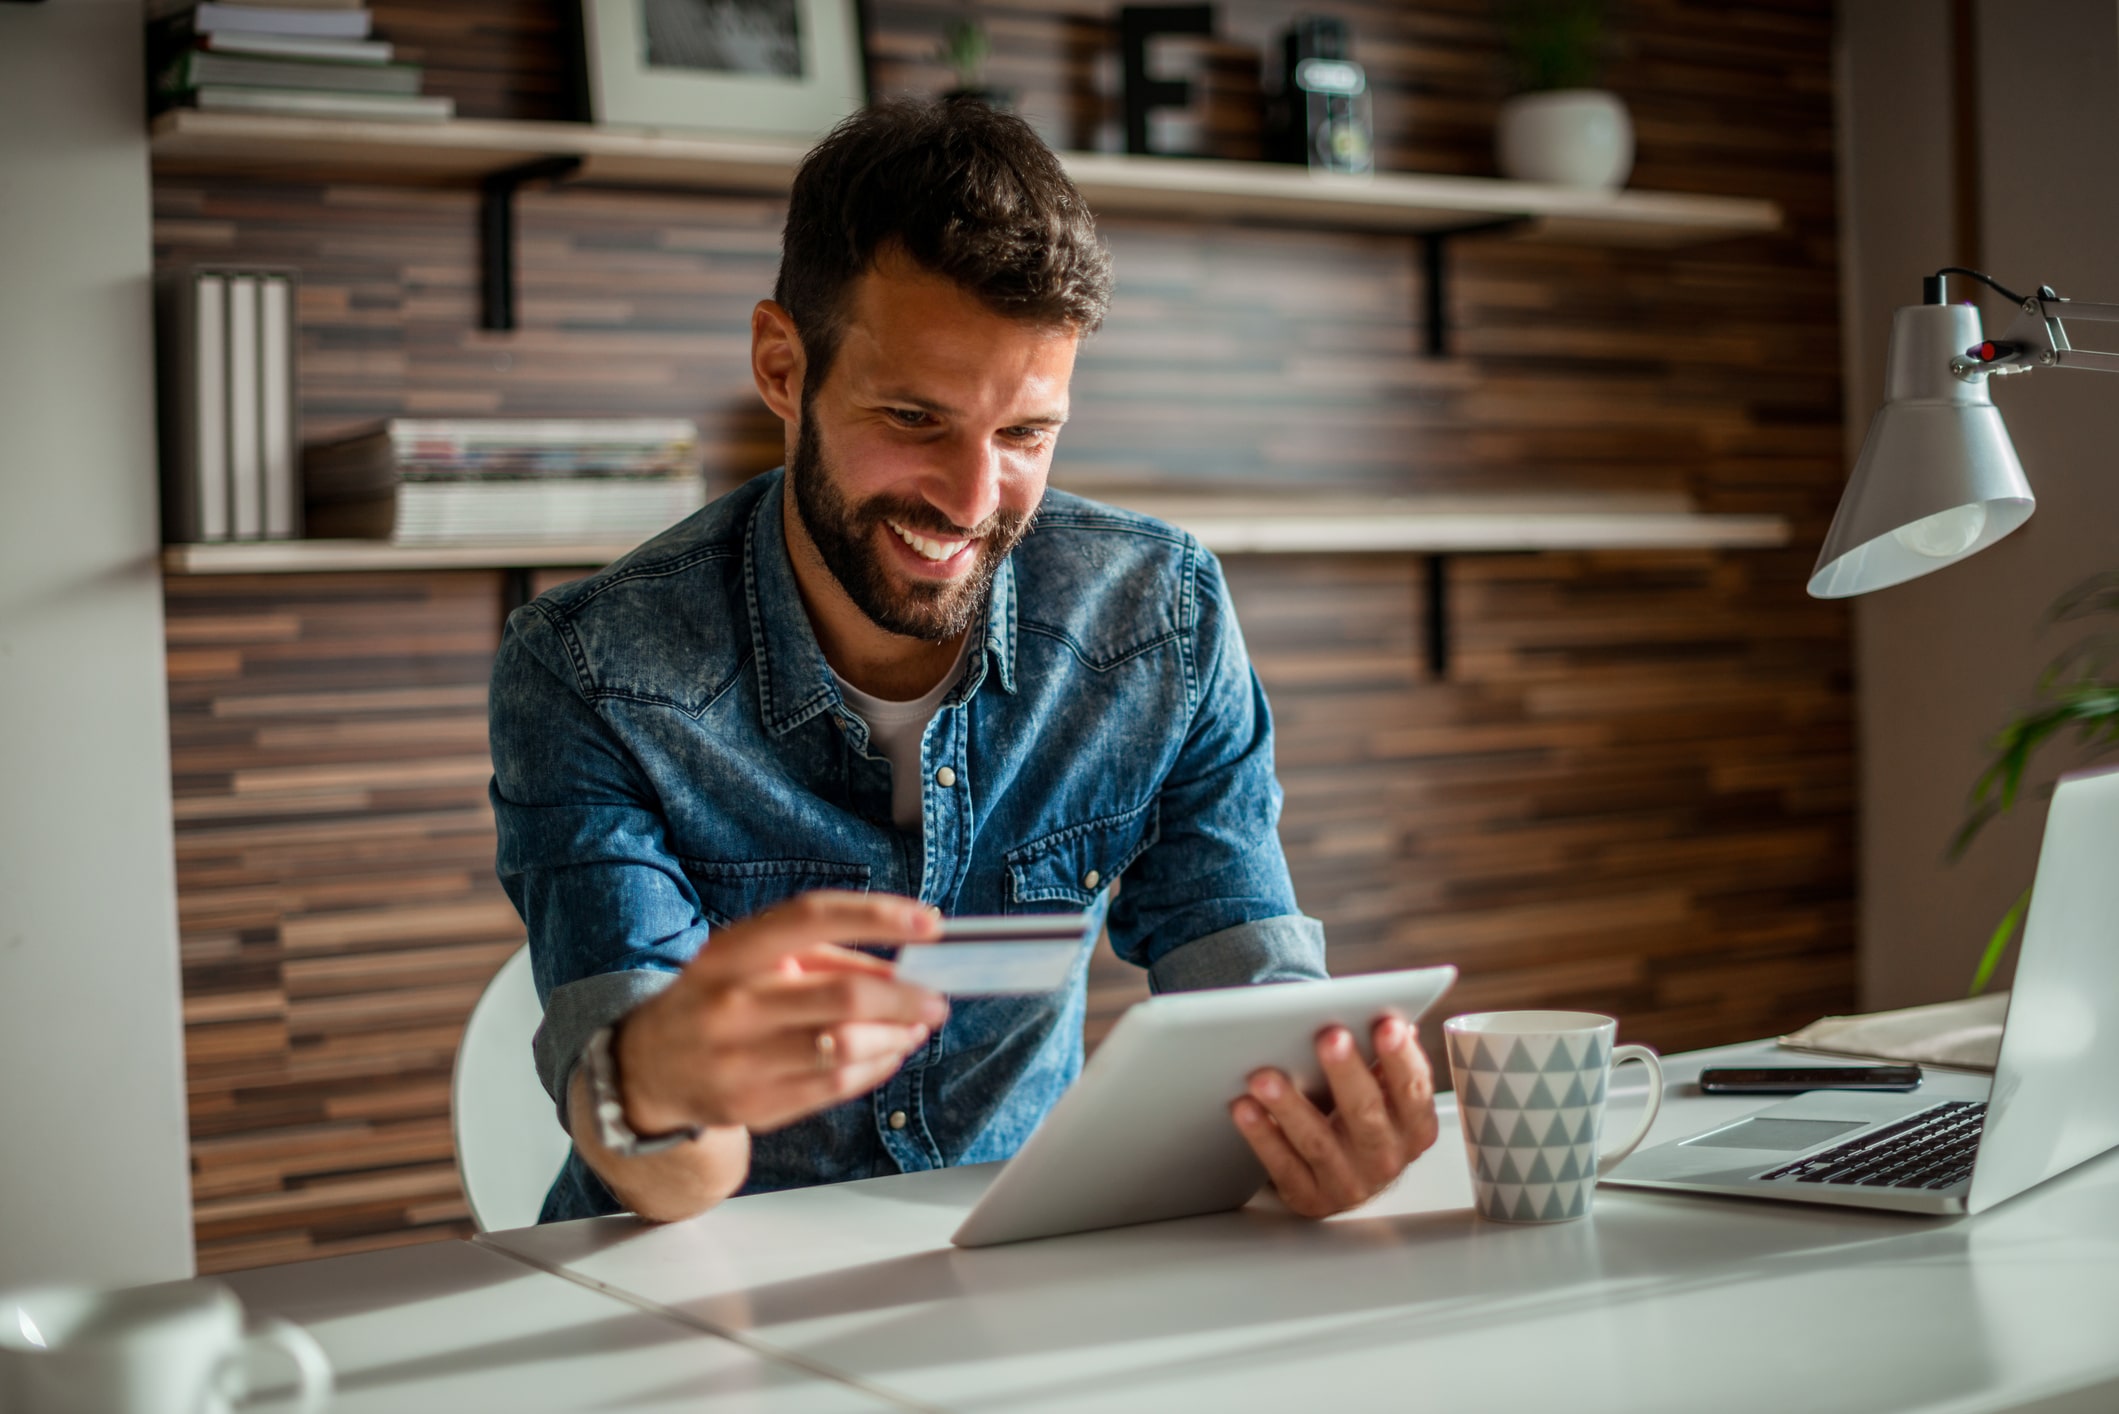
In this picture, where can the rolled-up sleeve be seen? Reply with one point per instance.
(582, 851)
(1210, 904)
(1289, 948)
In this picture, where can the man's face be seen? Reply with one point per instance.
(922, 456)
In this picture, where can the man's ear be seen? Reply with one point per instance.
(777, 364)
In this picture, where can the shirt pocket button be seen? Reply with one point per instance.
(945, 778)
(897, 1119)
(1091, 879)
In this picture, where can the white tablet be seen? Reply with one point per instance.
(1145, 1133)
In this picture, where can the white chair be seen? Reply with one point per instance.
(509, 1145)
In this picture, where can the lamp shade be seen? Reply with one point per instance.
(1938, 478)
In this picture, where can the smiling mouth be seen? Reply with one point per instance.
(927, 547)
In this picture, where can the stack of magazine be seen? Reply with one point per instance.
(291, 57)
(420, 481)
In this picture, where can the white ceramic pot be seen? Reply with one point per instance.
(1575, 137)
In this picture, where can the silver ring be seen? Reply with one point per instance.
(827, 1051)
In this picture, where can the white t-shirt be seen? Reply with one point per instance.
(895, 729)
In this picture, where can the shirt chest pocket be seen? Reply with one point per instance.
(732, 890)
(1069, 868)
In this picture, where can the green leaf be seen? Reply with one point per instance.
(1975, 821)
(2078, 689)
(1998, 944)
(1555, 43)
(2083, 662)
(2099, 594)
(964, 48)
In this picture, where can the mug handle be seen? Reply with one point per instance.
(310, 1362)
(1619, 1055)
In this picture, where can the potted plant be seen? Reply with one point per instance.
(964, 49)
(1559, 127)
(2078, 689)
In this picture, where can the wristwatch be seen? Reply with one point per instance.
(611, 1129)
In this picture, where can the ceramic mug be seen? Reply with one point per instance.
(176, 1348)
(1530, 1097)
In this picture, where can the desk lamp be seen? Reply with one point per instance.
(1938, 479)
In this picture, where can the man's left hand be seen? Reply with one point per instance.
(1382, 1117)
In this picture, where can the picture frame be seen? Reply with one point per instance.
(762, 68)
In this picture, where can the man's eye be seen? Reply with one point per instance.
(1023, 434)
(908, 417)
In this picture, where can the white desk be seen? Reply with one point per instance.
(1657, 1302)
(451, 1327)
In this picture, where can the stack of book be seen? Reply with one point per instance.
(418, 481)
(303, 57)
(225, 339)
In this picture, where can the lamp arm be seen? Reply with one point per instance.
(2066, 355)
(2037, 338)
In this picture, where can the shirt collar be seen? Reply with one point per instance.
(795, 682)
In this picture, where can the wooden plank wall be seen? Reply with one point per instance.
(335, 897)
(1634, 793)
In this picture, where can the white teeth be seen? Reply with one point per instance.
(926, 549)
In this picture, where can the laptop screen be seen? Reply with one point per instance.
(2054, 1103)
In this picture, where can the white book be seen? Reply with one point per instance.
(158, 10)
(296, 46)
(249, 19)
(276, 404)
(557, 512)
(296, 4)
(246, 487)
(405, 107)
(563, 431)
(211, 407)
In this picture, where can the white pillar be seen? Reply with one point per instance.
(93, 1170)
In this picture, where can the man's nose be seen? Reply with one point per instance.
(966, 484)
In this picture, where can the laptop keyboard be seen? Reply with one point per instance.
(1932, 1149)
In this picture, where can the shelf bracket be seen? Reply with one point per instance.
(515, 587)
(1437, 617)
(1434, 284)
(496, 229)
(1434, 269)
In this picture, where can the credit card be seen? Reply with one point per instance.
(1011, 955)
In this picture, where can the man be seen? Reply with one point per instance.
(898, 680)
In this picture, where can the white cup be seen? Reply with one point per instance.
(1530, 1096)
(177, 1348)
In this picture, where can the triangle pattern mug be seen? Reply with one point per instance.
(1530, 1097)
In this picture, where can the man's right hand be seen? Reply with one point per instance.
(773, 1020)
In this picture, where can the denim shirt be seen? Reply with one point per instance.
(671, 754)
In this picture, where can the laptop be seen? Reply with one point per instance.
(2054, 1101)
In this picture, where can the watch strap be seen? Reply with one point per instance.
(604, 1097)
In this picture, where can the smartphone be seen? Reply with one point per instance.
(1794, 1079)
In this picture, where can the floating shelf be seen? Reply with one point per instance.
(338, 556)
(1448, 525)
(1441, 525)
(466, 151)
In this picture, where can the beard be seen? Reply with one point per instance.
(846, 533)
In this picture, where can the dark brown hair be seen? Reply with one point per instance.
(969, 193)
